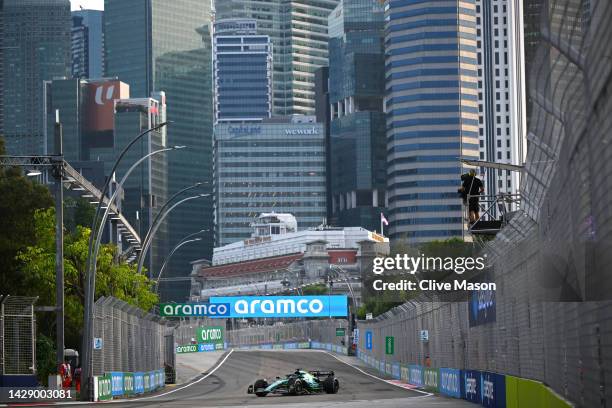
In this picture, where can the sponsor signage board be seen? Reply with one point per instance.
(431, 379)
(493, 390)
(105, 390)
(209, 335)
(283, 306)
(340, 331)
(193, 309)
(187, 348)
(138, 383)
(415, 375)
(117, 383)
(450, 382)
(389, 345)
(482, 308)
(128, 383)
(472, 386)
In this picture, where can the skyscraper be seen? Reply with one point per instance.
(242, 71)
(432, 114)
(501, 91)
(357, 131)
(156, 45)
(34, 47)
(87, 44)
(298, 29)
(277, 165)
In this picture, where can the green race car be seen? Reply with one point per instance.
(297, 383)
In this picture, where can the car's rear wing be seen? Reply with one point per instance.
(319, 373)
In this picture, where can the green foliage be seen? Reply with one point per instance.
(112, 279)
(316, 289)
(20, 197)
(45, 358)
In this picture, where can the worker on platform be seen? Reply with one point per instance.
(471, 186)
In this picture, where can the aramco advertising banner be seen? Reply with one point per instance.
(284, 306)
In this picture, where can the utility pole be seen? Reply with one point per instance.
(58, 171)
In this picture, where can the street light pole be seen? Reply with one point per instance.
(90, 279)
(147, 237)
(154, 228)
(161, 270)
(58, 171)
(116, 192)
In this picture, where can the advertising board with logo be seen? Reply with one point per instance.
(105, 389)
(117, 383)
(415, 375)
(128, 383)
(209, 335)
(431, 378)
(450, 382)
(138, 383)
(472, 386)
(194, 309)
(493, 390)
(283, 306)
(482, 306)
(101, 96)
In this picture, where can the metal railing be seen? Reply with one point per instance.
(495, 211)
(17, 335)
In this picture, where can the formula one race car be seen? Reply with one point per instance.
(297, 383)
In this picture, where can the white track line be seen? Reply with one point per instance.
(426, 394)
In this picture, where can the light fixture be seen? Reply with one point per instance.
(33, 173)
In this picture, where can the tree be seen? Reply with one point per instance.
(20, 197)
(112, 279)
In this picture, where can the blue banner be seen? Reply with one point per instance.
(290, 346)
(117, 383)
(395, 370)
(415, 375)
(471, 389)
(450, 382)
(138, 383)
(482, 307)
(284, 306)
(368, 340)
(493, 390)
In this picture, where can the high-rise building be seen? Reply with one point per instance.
(432, 114)
(87, 44)
(34, 47)
(87, 113)
(501, 91)
(323, 115)
(298, 29)
(277, 165)
(242, 71)
(357, 130)
(156, 45)
(145, 190)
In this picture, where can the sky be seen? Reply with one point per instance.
(87, 4)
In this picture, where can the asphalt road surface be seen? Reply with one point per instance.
(227, 385)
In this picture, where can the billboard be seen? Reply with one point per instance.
(209, 335)
(493, 390)
(472, 390)
(100, 104)
(450, 382)
(481, 307)
(193, 309)
(284, 306)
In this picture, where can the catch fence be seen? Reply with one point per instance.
(17, 335)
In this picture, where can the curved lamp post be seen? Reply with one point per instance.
(116, 193)
(156, 220)
(161, 270)
(154, 228)
(90, 278)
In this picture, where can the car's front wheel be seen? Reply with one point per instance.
(296, 387)
(259, 386)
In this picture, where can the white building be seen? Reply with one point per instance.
(501, 90)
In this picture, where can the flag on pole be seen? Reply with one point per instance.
(383, 219)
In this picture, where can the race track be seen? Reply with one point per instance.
(227, 385)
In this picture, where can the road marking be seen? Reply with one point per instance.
(122, 401)
(426, 394)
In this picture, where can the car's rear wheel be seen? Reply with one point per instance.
(331, 385)
(260, 384)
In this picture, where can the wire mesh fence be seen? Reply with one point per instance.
(128, 339)
(552, 308)
(323, 331)
(17, 335)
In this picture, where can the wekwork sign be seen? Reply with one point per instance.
(283, 306)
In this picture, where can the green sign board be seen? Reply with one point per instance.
(340, 331)
(389, 345)
(209, 335)
(187, 348)
(105, 391)
(128, 383)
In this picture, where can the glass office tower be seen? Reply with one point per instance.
(432, 114)
(156, 45)
(242, 66)
(87, 44)
(298, 29)
(357, 129)
(34, 47)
